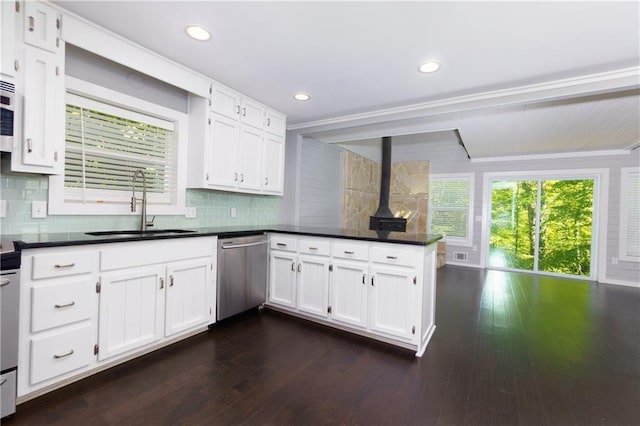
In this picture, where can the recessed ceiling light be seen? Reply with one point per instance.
(301, 97)
(197, 32)
(430, 66)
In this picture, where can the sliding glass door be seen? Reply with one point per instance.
(542, 225)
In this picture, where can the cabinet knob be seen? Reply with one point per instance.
(32, 24)
(241, 177)
(29, 145)
(266, 181)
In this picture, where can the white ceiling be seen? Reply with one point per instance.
(543, 77)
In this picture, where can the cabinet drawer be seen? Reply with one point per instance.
(284, 243)
(319, 247)
(62, 304)
(60, 353)
(350, 251)
(61, 264)
(393, 256)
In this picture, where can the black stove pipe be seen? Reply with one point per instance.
(385, 180)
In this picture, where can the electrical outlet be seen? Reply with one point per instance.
(3, 208)
(38, 209)
(232, 212)
(190, 213)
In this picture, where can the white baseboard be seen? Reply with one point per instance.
(620, 282)
(469, 265)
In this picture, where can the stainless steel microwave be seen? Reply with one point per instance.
(7, 118)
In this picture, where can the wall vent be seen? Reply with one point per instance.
(460, 256)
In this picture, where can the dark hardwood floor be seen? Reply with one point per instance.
(509, 348)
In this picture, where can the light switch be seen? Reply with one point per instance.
(190, 213)
(38, 209)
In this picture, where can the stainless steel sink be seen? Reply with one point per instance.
(148, 232)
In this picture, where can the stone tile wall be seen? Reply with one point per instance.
(408, 193)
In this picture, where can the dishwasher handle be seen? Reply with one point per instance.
(232, 246)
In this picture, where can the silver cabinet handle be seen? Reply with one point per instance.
(58, 356)
(4, 282)
(29, 145)
(32, 24)
(266, 181)
(392, 257)
(244, 112)
(170, 280)
(348, 252)
(241, 177)
(66, 265)
(64, 305)
(237, 109)
(299, 267)
(364, 278)
(372, 284)
(235, 176)
(268, 122)
(293, 266)
(281, 244)
(161, 283)
(313, 248)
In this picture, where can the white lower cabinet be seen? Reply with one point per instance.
(84, 308)
(282, 279)
(313, 285)
(393, 296)
(380, 290)
(188, 295)
(349, 297)
(131, 310)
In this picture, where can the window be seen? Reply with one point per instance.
(450, 207)
(108, 136)
(630, 214)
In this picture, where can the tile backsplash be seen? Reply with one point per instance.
(212, 209)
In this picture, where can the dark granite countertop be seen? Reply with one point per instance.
(28, 241)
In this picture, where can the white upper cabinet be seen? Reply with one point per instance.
(273, 164)
(8, 16)
(275, 123)
(236, 150)
(252, 113)
(42, 144)
(41, 26)
(225, 102)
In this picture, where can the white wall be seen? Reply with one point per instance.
(313, 183)
(447, 157)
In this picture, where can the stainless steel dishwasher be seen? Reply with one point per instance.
(242, 274)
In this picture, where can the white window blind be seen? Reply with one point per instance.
(630, 214)
(450, 202)
(105, 144)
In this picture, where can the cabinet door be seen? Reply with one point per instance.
(43, 137)
(8, 37)
(252, 113)
(222, 152)
(273, 165)
(188, 295)
(313, 285)
(393, 296)
(275, 123)
(225, 102)
(250, 158)
(348, 293)
(40, 25)
(282, 279)
(131, 310)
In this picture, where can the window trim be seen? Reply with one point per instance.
(456, 241)
(625, 175)
(57, 204)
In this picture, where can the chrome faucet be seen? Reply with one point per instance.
(143, 216)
